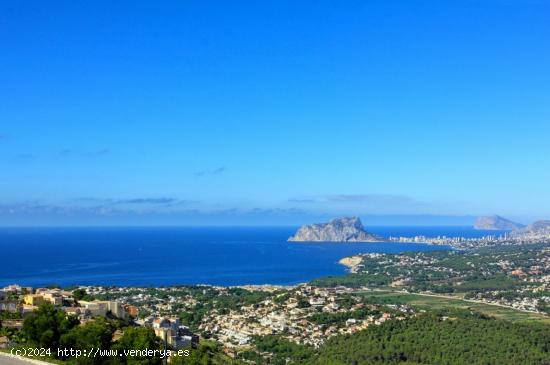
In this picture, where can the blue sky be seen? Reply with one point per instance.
(282, 112)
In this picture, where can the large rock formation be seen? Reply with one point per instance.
(337, 230)
(496, 223)
(537, 230)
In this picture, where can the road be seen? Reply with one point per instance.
(6, 359)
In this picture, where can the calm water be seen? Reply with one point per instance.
(169, 256)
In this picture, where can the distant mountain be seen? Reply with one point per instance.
(539, 229)
(347, 229)
(496, 223)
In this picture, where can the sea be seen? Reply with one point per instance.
(185, 256)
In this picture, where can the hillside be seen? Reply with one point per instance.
(496, 223)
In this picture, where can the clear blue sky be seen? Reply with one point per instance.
(258, 112)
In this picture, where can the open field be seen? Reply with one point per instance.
(427, 301)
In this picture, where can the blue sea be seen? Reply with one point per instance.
(178, 256)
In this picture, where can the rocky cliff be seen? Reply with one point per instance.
(337, 230)
(495, 223)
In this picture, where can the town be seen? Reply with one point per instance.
(240, 319)
(18, 302)
(511, 276)
(470, 243)
(303, 314)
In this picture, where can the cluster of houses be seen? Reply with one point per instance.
(84, 310)
(171, 331)
(24, 300)
(291, 318)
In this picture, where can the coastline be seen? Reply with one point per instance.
(228, 257)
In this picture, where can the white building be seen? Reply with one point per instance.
(100, 308)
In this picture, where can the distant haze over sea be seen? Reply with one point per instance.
(244, 219)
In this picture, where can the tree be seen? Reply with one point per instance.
(96, 334)
(78, 294)
(303, 303)
(81, 294)
(45, 327)
(208, 353)
(139, 338)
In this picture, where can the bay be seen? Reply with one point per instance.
(181, 256)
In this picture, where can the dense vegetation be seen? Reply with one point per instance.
(208, 353)
(448, 338)
(432, 339)
(282, 350)
(45, 327)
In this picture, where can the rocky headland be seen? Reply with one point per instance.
(496, 223)
(347, 229)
